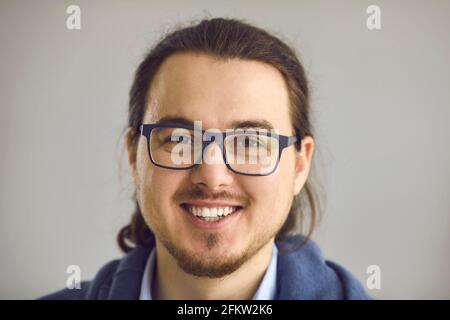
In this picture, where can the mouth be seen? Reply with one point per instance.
(210, 215)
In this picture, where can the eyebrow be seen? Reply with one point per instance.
(237, 124)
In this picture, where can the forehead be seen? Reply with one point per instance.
(218, 92)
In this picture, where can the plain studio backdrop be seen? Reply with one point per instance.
(380, 105)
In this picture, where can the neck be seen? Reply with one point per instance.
(171, 282)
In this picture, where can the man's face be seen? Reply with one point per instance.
(219, 94)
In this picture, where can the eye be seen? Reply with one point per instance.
(250, 142)
(179, 138)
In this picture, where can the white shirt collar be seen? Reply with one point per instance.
(266, 289)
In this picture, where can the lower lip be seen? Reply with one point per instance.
(203, 224)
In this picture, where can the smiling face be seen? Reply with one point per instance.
(220, 94)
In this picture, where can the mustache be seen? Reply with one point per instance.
(198, 193)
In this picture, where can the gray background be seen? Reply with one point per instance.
(381, 107)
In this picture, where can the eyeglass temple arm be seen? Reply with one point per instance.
(140, 130)
(291, 140)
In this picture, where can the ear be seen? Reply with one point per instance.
(303, 163)
(131, 149)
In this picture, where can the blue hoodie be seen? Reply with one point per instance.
(302, 274)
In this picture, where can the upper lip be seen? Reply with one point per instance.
(211, 204)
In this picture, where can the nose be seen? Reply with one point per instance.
(212, 172)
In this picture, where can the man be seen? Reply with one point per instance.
(219, 145)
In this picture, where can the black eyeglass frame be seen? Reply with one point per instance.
(146, 130)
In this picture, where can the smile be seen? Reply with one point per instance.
(211, 213)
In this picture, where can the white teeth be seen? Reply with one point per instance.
(212, 218)
(205, 212)
(211, 214)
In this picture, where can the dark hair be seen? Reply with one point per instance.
(227, 39)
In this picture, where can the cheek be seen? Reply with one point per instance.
(269, 194)
(274, 193)
(154, 188)
(158, 185)
(152, 182)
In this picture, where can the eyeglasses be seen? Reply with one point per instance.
(252, 152)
